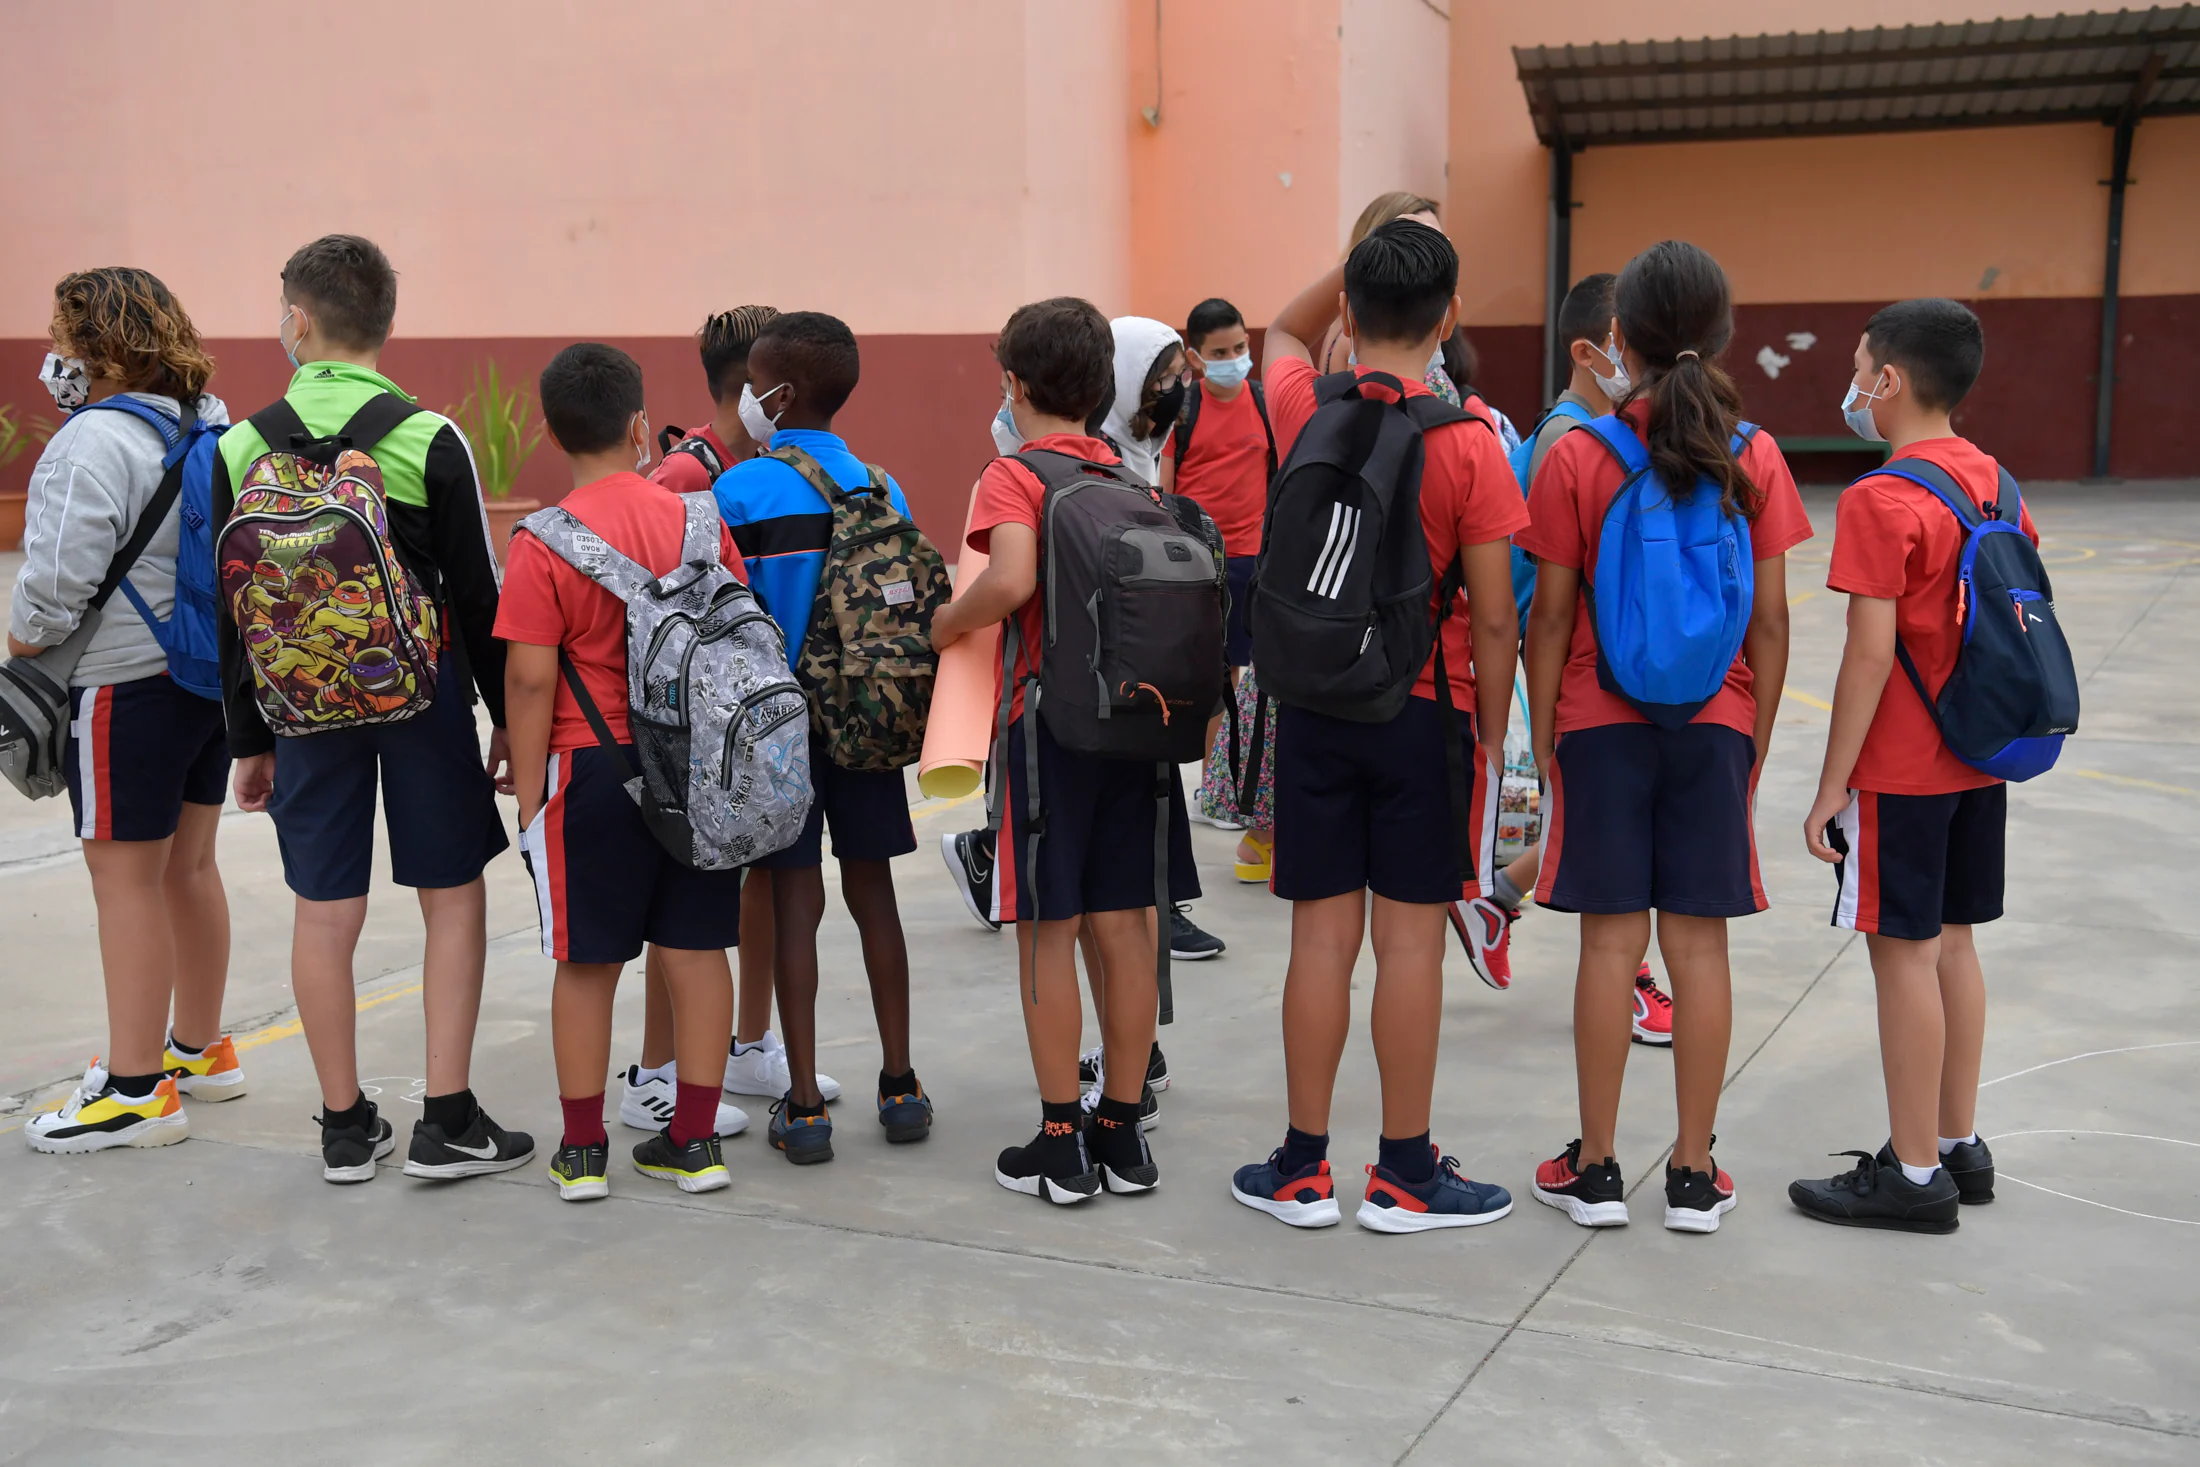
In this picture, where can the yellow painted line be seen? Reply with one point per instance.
(293, 1027)
(935, 807)
(2144, 784)
(1807, 700)
(1800, 599)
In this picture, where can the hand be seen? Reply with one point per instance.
(22, 649)
(499, 763)
(1546, 757)
(945, 632)
(526, 815)
(1828, 804)
(255, 781)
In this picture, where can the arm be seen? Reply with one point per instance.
(1006, 583)
(1550, 635)
(1765, 647)
(459, 541)
(1865, 664)
(1496, 644)
(530, 693)
(1303, 320)
(73, 524)
(1168, 460)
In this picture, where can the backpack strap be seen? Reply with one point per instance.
(174, 436)
(1260, 405)
(668, 435)
(1458, 790)
(1189, 419)
(595, 718)
(699, 537)
(813, 472)
(280, 427)
(375, 419)
(2009, 499)
(692, 445)
(564, 536)
(1164, 775)
(1937, 481)
(1620, 441)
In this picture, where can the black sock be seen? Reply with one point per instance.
(136, 1087)
(355, 1118)
(184, 1049)
(451, 1114)
(797, 1108)
(1409, 1160)
(1061, 1133)
(902, 1084)
(1117, 1112)
(1301, 1151)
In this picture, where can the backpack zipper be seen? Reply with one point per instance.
(734, 724)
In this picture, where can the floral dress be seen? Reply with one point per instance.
(1217, 796)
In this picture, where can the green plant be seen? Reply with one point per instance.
(499, 423)
(15, 436)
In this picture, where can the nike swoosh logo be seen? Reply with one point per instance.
(486, 1153)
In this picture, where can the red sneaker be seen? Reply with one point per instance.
(1485, 931)
(1653, 1011)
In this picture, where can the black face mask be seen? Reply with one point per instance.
(1167, 406)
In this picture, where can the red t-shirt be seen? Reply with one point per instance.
(1468, 497)
(1225, 467)
(684, 473)
(1566, 508)
(547, 603)
(1894, 540)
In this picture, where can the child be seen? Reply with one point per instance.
(146, 760)
(1916, 833)
(339, 295)
(603, 884)
(1643, 816)
(802, 369)
(1364, 807)
(1095, 865)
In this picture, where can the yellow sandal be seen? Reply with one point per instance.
(1257, 871)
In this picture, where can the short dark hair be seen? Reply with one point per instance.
(346, 284)
(590, 392)
(1586, 313)
(1209, 316)
(817, 353)
(1399, 280)
(1939, 342)
(725, 340)
(1064, 354)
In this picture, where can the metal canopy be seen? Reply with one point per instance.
(1993, 73)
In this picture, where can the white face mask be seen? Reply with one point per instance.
(641, 461)
(65, 381)
(1856, 411)
(1006, 440)
(1230, 371)
(759, 424)
(1615, 386)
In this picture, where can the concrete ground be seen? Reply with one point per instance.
(897, 1306)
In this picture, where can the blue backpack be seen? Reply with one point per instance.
(1522, 459)
(188, 636)
(2014, 693)
(1674, 585)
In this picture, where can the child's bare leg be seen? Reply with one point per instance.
(1912, 1042)
(1963, 1011)
(1612, 945)
(1703, 1026)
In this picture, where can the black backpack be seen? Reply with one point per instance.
(1189, 419)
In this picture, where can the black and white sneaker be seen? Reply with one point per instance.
(1880, 1196)
(1092, 1069)
(1149, 1106)
(1055, 1165)
(348, 1153)
(1970, 1164)
(969, 857)
(481, 1148)
(1126, 1163)
(1188, 943)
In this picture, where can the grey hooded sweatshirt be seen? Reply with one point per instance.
(94, 479)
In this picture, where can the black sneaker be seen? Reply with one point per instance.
(1126, 1165)
(348, 1153)
(699, 1166)
(969, 857)
(481, 1148)
(1876, 1196)
(1187, 942)
(1695, 1201)
(1091, 1069)
(1594, 1196)
(1055, 1165)
(1971, 1164)
(582, 1172)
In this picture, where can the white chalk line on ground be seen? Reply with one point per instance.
(2089, 1054)
(2001, 1174)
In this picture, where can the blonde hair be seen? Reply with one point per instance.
(124, 323)
(1383, 208)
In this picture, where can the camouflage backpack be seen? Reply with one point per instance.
(867, 662)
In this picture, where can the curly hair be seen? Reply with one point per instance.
(124, 323)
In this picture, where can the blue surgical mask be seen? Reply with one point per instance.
(1856, 411)
(290, 348)
(1006, 439)
(1230, 371)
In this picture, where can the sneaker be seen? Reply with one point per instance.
(95, 1118)
(1149, 1106)
(698, 1166)
(761, 1069)
(1188, 943)
(1485, 931)
(213, 1075)
(480, 1149)
(647, 1105)
(1219, 822)
(1125, 1161)
(1055, 1164)
(1092, 1068)
(807, 1140)
(1306, 1198)
(906, 1117)
(969, 857)
(348, 1153)
(1445, 1200)
(1972, 1166)
(1695, 1201)
(1653, 1011)
(1876, 1196)
(1256, 872)
(1592, 1195)
(582, 1172)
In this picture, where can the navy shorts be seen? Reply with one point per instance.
(603, 885)
(1912, 864)
(867, 809)
(1369, 805)
(1237, 632)
(437, 800)
(1095, 850)
(138, 753)
(1643, 817)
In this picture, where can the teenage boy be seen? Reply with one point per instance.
(603, 885)
(339, 295)
(1916, 835)
(802, 369)
(1362, 807)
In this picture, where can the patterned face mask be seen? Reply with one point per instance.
(64, 379)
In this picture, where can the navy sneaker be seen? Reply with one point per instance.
(1875, 1196)
(1970, 1166)
(807, 1140)
(1445, 1200)
(1306, 1198)
(906, 1117)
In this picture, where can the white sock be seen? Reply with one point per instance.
(1950, 1143)
(767, 1042)
(644, 1074)
(1918, 1175)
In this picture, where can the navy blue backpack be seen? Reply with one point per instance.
(188, 636)
(2013, 696)
(1674, 585)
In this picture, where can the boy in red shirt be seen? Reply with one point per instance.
(1915, 833)
(1642, 817)
(603, 885)
(1364, 807)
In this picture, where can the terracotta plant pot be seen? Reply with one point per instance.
(14, 505)
(503, 514)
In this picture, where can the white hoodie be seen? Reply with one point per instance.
(1139, 343)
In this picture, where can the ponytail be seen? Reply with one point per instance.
(1676, 314)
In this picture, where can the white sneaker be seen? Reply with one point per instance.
(647, 1105)
(761, 1069)
(1219, 822)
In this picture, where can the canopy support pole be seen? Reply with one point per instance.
(1558, 269)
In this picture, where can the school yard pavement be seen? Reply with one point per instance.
(217, 1302)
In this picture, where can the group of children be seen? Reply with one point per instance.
(1643, 815)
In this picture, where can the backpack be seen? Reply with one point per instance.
(1674, 585)
(714, 715)
(1522, 460)
(2013, 695)
(1189, 419)
(672, 440)
(337, 631)
(867, 662)
(189, 636)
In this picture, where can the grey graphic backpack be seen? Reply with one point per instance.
(720, 726)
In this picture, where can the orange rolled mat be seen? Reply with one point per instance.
(960, 729)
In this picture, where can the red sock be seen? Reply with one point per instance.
(584, 1120)
(694, 1112)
